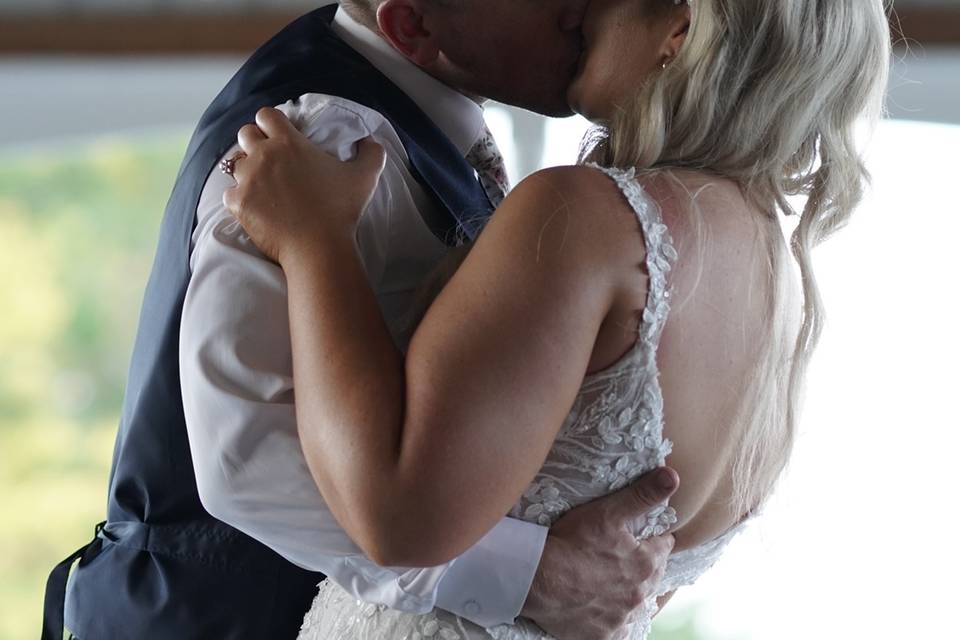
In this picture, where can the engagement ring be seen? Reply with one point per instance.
(229, 165)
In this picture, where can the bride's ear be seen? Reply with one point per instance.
(677, 30)
(402, 24)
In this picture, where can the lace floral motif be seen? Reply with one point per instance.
(613, 434)
(545, 503)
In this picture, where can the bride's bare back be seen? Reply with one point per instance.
(708, 351)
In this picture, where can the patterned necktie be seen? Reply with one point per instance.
(486, 159)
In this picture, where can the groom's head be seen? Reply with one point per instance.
(522, 52)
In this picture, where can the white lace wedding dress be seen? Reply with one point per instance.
(613, 434)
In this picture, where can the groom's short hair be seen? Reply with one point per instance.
(365, 11)
(360, 5)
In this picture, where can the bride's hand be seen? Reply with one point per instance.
(290, 194)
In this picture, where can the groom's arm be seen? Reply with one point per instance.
(238, 398)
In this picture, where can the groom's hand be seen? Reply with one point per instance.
(594, 573)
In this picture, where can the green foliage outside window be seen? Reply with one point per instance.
(78, 225)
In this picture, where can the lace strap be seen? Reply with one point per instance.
(661, 254)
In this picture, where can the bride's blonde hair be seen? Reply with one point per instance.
(766, 93)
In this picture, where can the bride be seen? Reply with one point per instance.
(639, 307)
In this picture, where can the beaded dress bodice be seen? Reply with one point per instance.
(612, 435)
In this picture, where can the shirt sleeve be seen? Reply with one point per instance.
(236, 378)
(489, 583)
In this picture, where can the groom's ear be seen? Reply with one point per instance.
(403, 24)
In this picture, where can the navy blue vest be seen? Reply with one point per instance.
(161, 566)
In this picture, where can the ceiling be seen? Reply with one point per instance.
(238, 26)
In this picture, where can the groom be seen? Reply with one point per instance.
(215, 528)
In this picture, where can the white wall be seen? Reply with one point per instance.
(925, 84)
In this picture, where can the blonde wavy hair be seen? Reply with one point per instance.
(768, 94)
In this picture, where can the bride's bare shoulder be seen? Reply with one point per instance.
(585, 204)
(589, 200)
(586, 187)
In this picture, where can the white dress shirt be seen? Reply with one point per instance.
(236, 364)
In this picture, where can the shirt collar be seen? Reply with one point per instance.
(456, 115)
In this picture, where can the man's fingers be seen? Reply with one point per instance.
(659, 546)
(644, 494)
(274, 123)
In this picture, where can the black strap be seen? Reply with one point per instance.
(56, 593)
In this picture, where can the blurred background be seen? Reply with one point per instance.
(97, 101)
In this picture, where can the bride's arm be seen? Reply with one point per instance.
(418, 459)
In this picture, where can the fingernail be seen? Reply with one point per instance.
(666, 479)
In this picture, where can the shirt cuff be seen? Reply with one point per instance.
(489, 583)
